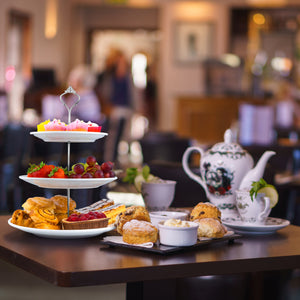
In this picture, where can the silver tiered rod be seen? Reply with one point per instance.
(69, 90)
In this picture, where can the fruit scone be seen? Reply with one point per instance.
(139, 232)
(208, 217)
(132, 213)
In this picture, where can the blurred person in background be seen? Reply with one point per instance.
(83, 80)
(117, 91)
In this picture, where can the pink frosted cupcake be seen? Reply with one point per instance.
(93, 127)
(77, 125)
(55, 125)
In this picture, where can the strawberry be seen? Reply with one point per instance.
(57, 172)
(46, 170)
(35, 170)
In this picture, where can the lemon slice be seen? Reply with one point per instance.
(138, 180)
(271, 193)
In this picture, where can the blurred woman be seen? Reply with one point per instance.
(83, 80)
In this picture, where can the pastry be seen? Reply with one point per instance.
(22, 218)
(61, 206)
(38, 202)
(139, 232)
(45, 225)
(77, 125)
(55, 125)
(41, 126)
(211, 228)
(43, 215)
(93, 127)
(113, 211)
(205, 210)
(96, 206)
(132, 213)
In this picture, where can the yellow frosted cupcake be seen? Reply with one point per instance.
(41, 126)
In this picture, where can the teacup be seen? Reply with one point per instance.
(254, 211)
(158, 196)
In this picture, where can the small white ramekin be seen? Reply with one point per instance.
(178, 236)
(157, 216)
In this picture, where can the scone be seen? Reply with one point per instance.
(205, 210)
(132, 213)
(211, 228)
(139, 232)
(22, 218)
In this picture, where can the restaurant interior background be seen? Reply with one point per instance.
(199, 67)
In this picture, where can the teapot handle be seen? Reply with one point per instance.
(188, 171)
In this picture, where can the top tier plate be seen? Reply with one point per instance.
(68, 136)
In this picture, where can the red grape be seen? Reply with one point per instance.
(107, 166)
(97, 167)
(91, 160)
(87, 175)
(99, 174)
(78, 168)
(91, 170)
(75, 176)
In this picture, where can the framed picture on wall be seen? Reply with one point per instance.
(193, 41)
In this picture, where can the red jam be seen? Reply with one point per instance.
(92, 215)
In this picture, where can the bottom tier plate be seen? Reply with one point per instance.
(63, 234)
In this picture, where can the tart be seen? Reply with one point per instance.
(89, 224)
(85, 221)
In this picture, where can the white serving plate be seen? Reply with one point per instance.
(271, 226)
(67, 183)
(63, 234)
(68, 136)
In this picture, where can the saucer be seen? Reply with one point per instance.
(271, 226)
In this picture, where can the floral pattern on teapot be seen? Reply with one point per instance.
(218, 180)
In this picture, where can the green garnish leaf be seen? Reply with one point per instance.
(146, 172)
(256, 186)
(131, 173)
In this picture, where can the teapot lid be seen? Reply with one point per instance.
(228, 145)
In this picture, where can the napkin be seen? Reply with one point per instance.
(119, 240)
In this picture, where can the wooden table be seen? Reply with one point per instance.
(84, 262)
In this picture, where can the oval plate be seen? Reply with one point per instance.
(68, 136)
(271, 226)
(63, 234)
(67, 183)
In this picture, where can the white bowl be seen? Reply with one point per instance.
(157, 216)
(178, 236)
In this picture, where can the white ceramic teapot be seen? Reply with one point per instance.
(225, 168)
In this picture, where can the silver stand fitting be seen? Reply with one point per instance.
(69, 90)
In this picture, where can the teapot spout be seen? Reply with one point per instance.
(257, 172)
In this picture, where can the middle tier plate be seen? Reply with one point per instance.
(67, 183)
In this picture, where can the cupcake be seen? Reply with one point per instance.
(93, 127)
(55, 125)
(77, 125)
(41, 126)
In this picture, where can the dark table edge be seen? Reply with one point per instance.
(69, 279)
